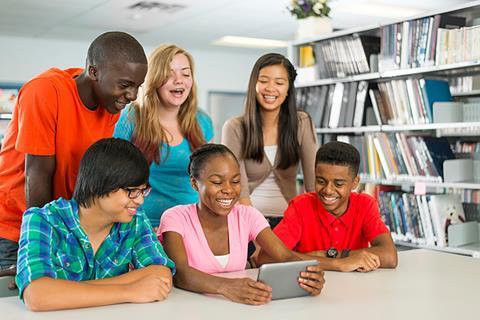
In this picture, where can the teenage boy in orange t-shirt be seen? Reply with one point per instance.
(341, 229)
(58, 115)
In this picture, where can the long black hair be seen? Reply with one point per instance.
(288, 146)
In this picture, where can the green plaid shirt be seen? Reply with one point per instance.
(53, 244)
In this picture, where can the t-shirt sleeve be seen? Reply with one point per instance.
(35, 253)
(147, 250)
(124, 126)
(206, 125)
(289, 230)
(256, 221)
(37, 113)
(171, 220)
(373, 224)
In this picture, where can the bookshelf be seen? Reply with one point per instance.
(407, 95)
(442, 70)
(391, 128)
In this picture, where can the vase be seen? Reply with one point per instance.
(312, 27)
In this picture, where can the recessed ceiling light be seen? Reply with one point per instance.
(245, 42)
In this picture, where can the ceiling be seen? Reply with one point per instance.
(195, 26)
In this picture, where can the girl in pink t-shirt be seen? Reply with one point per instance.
(212, 236)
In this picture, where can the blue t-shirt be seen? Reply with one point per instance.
(169, 180)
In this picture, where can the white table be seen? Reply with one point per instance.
(426, 285)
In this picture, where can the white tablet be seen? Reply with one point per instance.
(283, 278)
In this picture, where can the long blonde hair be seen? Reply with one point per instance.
(149, 135)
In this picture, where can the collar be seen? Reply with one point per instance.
(329, 219)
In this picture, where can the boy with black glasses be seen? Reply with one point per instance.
(77, 253)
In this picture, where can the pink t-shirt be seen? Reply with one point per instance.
(244, 224)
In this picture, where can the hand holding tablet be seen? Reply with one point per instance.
(292, 279)
(246, 290)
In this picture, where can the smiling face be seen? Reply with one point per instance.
(333, 184)
(176, 89)
(116, 84)
(218, 185)
(118, 207)
(272, 87)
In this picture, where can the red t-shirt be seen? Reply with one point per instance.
(48, 119)
(307, 226)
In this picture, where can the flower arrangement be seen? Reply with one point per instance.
(302, 9)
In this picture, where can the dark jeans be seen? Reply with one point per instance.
(8, 254)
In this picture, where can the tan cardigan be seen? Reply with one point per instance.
(253, 173)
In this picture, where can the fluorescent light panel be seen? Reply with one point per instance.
(233, 41)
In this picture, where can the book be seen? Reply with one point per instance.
(439, 149)
(351, 104)
(328, 106)
(336, 107)
(345, 103)
(306, 56)
(373, 99)
(426, 220)
(321, 62)
(360, 103)
(318, 107)
(434, 91)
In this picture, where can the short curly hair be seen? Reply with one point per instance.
(339, 153)
(115, 46)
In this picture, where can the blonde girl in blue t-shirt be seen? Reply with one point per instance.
(166, 125)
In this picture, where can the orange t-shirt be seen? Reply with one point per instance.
(48, 119)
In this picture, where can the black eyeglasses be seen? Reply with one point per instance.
(134, 193)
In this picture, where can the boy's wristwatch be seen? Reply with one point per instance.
(332, 253)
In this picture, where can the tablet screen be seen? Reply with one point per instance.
(283, 278)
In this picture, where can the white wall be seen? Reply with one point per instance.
(23, 58)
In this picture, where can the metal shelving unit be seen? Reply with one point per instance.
(441, 69)
(464, 129)
(397, 128)
(472, 250)
(414, 180)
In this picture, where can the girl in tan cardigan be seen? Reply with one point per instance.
(272, 138)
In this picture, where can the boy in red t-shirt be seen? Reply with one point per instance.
(341, 229)
(58, 115)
